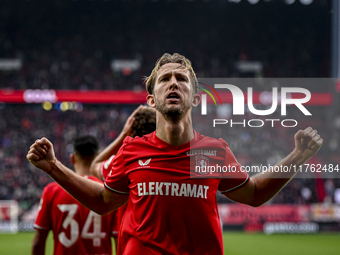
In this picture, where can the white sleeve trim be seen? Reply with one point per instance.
(38, 227)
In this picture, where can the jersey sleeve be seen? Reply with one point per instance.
(235, 177)
(105, 167)
(117, 181)
(43, 220)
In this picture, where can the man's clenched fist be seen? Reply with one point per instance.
(307, 142)
(41, 155)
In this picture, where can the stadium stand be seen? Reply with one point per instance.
(71, 50)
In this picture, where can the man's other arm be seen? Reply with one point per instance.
(113, 147)
(39, 241)
(262, 187)
(91, 194)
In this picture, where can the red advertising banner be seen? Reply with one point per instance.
(85, 97)
(130, 97)
(237, 214)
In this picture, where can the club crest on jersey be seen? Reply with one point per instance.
(202, 162)
(144, 164)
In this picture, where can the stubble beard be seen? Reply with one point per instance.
(172, 114)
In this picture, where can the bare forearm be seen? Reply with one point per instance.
(39, 242)
(38, 249)
(91, 194)
(269, 183)
(86, 191)
(111, 149)
(262, 187)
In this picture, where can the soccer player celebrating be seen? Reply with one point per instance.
(168, 212)
(141, 122)
(76, 229)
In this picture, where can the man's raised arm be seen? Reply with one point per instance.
(113, 147)
(264, 186)
(91, 194)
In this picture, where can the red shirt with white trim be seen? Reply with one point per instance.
(105, 169)
(171, 208)
(76, 229)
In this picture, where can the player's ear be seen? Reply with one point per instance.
(196, 100)
(73, 161)
(150, 99)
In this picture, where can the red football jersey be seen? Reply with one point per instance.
(105, 169)
(172, 209)
(76, 229)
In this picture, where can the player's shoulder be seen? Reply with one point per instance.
(128, 141)
(52, 189)
(211, 141)
(51, 186)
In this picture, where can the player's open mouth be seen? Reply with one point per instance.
(173, 97)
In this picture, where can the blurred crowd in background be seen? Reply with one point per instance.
(21, 125)
(70, 45)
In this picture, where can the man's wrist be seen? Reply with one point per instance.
(52, 167)
(297, 158)
(124, 134)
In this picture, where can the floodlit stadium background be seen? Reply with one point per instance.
(56, 58)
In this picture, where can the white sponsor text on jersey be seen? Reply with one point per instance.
(172, 189)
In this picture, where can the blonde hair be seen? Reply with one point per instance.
(168, 58)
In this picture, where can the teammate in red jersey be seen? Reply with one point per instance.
(141, 122)
(169, 212)
(76, 229)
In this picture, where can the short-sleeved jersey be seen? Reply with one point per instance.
(76, 229)
(170, 210)
(105, 169)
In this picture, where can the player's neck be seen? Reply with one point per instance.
(175, 133)
(82, 169)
